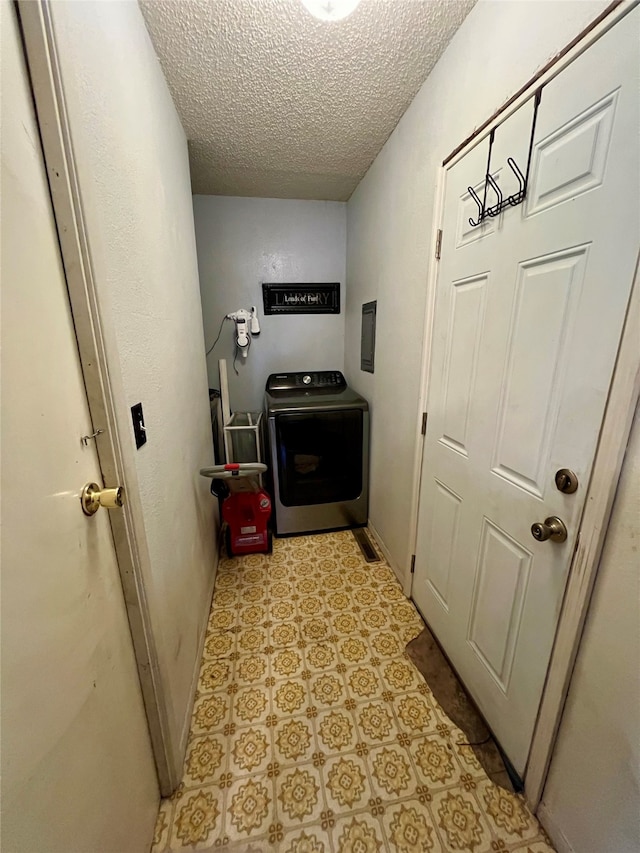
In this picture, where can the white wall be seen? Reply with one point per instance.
(133, 169)
(390, 225)
(590, 802)
(243, 242)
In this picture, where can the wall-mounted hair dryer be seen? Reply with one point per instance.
(247, 326)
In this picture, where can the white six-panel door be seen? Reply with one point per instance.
(529, 312)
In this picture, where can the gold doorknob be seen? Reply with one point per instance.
(552, 528)
(93, 497)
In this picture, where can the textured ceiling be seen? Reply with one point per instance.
(278, 104)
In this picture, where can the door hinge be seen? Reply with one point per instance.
(413, 564)
(423, 430)
(439, 244)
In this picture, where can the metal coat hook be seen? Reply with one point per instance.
(514, 199)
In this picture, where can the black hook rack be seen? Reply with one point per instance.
(516, 198)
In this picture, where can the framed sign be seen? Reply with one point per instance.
(301, 298)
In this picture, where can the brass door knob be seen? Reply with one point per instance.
(552, 528)
(93, 497)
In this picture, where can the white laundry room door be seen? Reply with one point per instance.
(77, 769)
(529, 312)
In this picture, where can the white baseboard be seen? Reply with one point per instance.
(386, 554)
(186, 723)
(552, 829)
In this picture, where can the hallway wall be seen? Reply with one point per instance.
(390, 226)
(243, 242)
(133, 170)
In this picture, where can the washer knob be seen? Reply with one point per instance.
(306, 379)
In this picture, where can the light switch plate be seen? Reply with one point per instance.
(139, 429)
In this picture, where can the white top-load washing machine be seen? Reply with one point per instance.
(319, 452)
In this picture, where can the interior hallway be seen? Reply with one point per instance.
(314, 732)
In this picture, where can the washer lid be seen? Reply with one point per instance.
(316, 400)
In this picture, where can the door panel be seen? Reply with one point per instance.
(529, 312)
(467, 315)
(496, 613)
(78, 773)
(572, 159)
(444, 531)
(532, 383)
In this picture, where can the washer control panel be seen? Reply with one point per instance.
(322, 379)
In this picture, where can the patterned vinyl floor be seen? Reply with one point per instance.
(312, 731)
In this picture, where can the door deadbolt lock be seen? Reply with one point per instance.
(552, 528)
(93, 497)
(566, 481)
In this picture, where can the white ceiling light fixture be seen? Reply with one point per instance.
(330, 10)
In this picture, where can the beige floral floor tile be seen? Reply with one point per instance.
(211, 713)
(293, 740)
(290, 697)
(347, 784)
(400, 675)
(386, 645)
(251, 639)
(327, 690)
(358, 834)
(288, 663)
(462, 820)
(336, 731)
(376, 618)
(304, 841)
(507, 815)
(197, 819)
(376, 722)
(409, 829)
(434, 761)
(540, 846)
(249, 808)
(250, 705)
(415, 714)
(205, 760)
(299, 795)
(313, 732)
(249, 750)
(219, 644)
(163, 824)
(320, 657)
(285, 635)
(251, 669)
(392, 773)
(363, 682)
